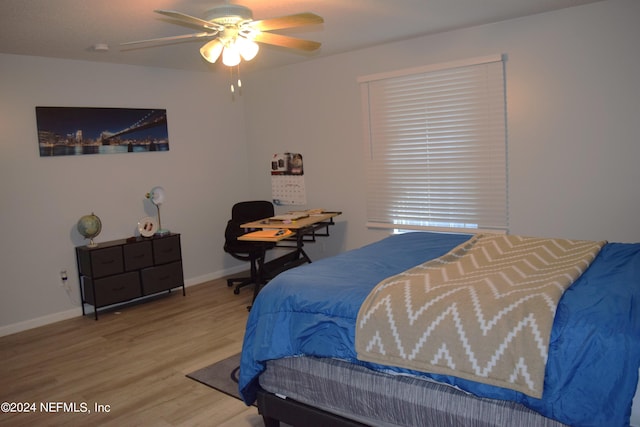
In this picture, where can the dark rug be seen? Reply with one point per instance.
(222, 376)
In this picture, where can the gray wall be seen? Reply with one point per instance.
(203, 173)
(573, 113)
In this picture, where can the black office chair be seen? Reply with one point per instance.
(254, 252)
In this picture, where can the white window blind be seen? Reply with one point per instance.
(436, 147)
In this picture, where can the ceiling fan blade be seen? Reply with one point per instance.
(286, 41)
(188, 19)
(172, 38)
(290, 21)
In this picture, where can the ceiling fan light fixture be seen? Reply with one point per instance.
(226, 14)
(235, 32)
(212, 50)
(248, 48)
(231, 55)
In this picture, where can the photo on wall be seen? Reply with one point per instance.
(70, 131)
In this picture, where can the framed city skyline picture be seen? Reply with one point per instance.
(70, 131)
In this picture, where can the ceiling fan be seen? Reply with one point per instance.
(235, 33)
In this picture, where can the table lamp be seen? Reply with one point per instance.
(157, 196)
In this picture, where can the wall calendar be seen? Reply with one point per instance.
(287, 179)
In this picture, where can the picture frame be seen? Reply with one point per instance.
(70, 131)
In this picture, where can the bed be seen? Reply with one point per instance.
(300, 363)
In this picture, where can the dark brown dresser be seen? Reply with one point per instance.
(123, 270)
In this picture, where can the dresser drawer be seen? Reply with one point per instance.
(113, 289)
(166, 249)
(162, 278)
(102, 262)
(126, 269)
(137, 256)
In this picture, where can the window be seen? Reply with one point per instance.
(436, 147)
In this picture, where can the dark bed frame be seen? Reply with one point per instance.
(275, 409)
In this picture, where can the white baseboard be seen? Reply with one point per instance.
(77, 312)
(215, 275)
(40, 321)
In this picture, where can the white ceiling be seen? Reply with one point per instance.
(70, 29)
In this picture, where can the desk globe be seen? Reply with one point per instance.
(89, 226)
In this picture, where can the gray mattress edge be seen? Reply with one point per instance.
(385, 400)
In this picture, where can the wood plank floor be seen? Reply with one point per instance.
(134, 360)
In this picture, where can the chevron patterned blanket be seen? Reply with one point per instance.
(482, 312)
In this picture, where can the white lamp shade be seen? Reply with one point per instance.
(248, 48)
(231, 55)
(156, 195)
(212, 50)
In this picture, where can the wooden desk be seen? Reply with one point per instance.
(273, 235)
(304, 227)
(322, 219)
(301, 230)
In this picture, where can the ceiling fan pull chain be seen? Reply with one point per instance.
(233, 88)
(235, 81)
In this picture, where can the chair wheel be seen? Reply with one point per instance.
(236, 291)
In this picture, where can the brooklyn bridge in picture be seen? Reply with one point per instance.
(65, 131)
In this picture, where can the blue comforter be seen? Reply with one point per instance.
(594, 351)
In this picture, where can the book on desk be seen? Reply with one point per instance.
(296, 215)
(288, 217)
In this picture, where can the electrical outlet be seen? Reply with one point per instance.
(63, 277)
(64, 284)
